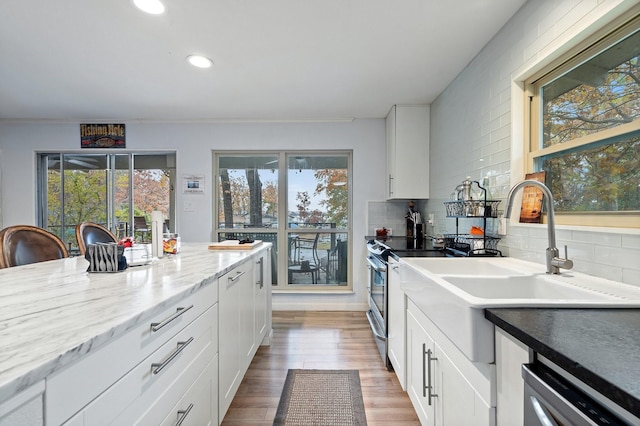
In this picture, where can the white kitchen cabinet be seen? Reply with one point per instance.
(120, 372)
(262, 295)
(408, 152)
(24, 408)
(510, 355)
(196, 406)
(396, 331)
(233, 308)
(146, 394)
(421, 371)
(443, 385)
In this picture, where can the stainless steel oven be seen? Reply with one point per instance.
(378, 253)
(377, 292)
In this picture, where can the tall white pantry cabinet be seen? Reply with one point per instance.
(408, 152)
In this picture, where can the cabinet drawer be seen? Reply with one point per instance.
(68, 390)
(168, 371)
(195, 407)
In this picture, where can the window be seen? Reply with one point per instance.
(300, 202)
(114, 190)
(585, 131)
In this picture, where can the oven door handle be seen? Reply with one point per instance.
(374, 326)
(375, 266)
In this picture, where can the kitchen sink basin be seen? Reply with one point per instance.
(475, 266)
(453, 293)
(537, 287)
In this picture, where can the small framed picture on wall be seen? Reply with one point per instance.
(193, 184)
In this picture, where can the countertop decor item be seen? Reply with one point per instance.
(531, 210)
(324, 397)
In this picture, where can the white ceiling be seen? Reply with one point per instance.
(96, 60)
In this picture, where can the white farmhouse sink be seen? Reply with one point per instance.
(453, 293)
(529, 287)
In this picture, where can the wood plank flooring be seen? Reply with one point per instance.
(319, 340)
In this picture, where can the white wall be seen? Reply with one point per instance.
(476, 130)
(194, 144)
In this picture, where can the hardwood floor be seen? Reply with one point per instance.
(319, 340)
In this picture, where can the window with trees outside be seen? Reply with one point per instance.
(118, 191)
(585, 131)
(300, 202)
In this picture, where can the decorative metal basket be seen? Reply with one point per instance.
(472, 208)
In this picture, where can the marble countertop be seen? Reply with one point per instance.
(601, 347)
(53, 313)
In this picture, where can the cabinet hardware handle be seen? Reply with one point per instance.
(158, 366)
(390, 190)
(238, 275)
(155, 326)
(182, 414)
(261, 263)
(426, 373)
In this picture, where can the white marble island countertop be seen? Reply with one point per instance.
(53, 313)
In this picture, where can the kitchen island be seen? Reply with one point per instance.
(55, 315)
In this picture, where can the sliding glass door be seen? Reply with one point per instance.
(110, 189)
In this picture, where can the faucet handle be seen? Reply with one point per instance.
(566, 253)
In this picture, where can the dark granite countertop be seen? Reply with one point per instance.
(601, 347)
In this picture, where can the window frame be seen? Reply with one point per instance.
(282, 232)
(533, 150)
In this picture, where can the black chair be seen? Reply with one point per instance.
(91, 233)
(140, 225)
(300, 266)
(25, 244)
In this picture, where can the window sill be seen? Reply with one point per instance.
(595, 229)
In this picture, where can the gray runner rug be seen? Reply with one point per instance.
(321, 398)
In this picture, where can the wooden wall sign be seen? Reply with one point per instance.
(102, 136)
(531, 210)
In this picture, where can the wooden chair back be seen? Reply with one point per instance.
(90, 233)
(25, 244)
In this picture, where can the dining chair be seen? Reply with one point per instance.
(140, 225)
(25, 244)
(90, 233)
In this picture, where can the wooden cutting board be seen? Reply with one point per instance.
(234, 245)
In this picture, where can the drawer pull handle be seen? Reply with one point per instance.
(155, 326)
(182, 414)
(158, 366)
(238, 275)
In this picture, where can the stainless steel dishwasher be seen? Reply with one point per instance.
(551, 400)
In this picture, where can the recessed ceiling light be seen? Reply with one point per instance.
(154, 7)
(199, 61)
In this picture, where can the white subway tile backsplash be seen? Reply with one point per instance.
(600, 238)
(631, 276)
(622, 257)
(630, 241)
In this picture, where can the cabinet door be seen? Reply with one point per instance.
(397, 323)
(261, 285)
(408, 152)
(459, 402)
(25, 408)
(421, 371)
(246, 286)
(229, 332)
